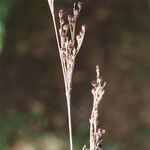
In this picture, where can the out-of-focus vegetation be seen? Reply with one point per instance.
(32, 102)
(6, 7)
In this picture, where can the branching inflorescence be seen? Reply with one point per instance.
(96, 133)
(69, 45)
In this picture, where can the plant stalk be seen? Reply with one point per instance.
(68, 91)
(68, 97)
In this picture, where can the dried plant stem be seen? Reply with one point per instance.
(68, 96)
(96, 133)
(55, 28)
(68, 47)
(67, 88)
(56, 33)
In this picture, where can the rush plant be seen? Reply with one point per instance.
(69, 44)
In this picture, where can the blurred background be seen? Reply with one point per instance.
(33, 114)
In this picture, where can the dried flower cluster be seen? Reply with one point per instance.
(68, 42)
(69, 45)
(96, 133)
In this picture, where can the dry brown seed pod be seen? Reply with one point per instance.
(73, 20)
(76, 13)
(65, 27)
(69, 18)
(83, 28)
(93, 83)
(62, 21)
(80, 5)
(78, 37)
(61, 14)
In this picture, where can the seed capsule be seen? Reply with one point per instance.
(83, 28)
(78, 37)
(80, 5)
(61, 14)
(76, 13)
(65, 27)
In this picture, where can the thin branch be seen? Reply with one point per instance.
(51, 5)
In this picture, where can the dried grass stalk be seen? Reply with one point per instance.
(96, 133)
(69, 45)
